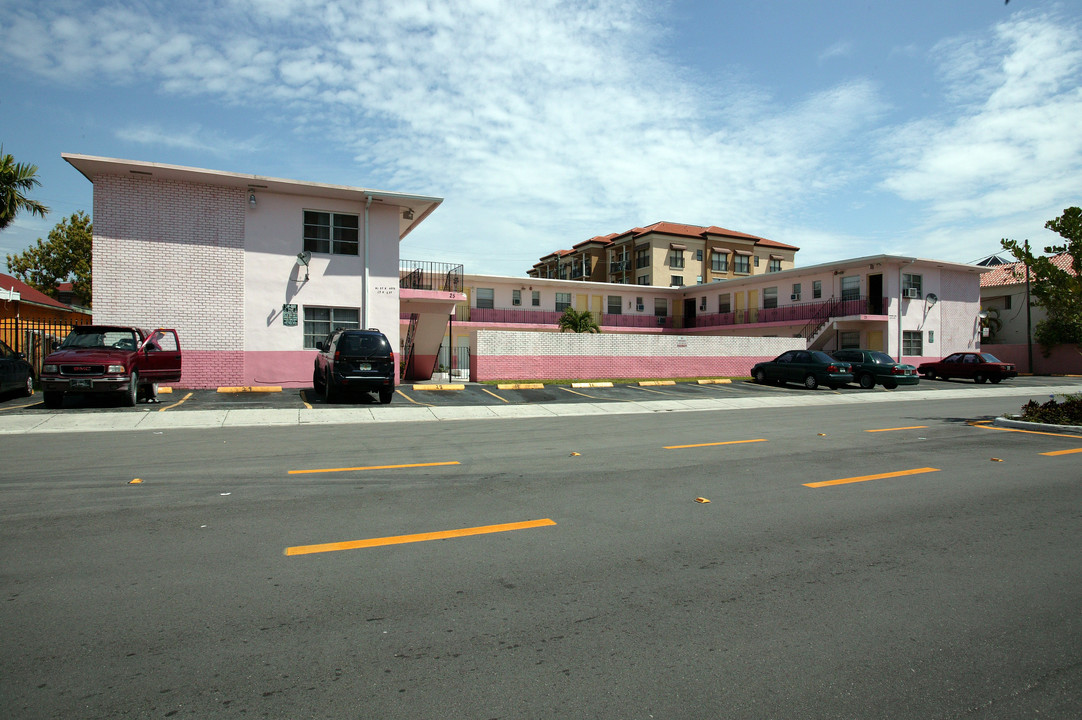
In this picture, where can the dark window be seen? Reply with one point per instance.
(333, 233)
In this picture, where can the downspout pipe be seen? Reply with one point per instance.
(367, 270)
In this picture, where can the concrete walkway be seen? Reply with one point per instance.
(152, 420)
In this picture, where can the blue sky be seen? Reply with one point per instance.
(846, 128)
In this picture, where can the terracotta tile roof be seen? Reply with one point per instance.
(1015, 273)
(680, 230)
(29, 294)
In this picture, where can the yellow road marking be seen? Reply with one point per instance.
(20, 407)
(399, 391)
(179, 402)
(911, 427)
(304, 399)
(1020, 430)
(420, 537)
(495, 395)
(372, 467)
(863, 478)
(651, 390)
(727, 442)
(1063, 452)
(573, 392)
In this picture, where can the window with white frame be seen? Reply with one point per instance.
(615, 304)
(796, 292)
(742, 264)
(516, 297)
(756, 261)
(912, 343)
(486, 298)
(676, 258)
(770, 297)
(642, 257)
(817, 289)
(724, 303)
(332, 233)
(563, 301)
(320, 321)
(719, 261)
(850, 287)
(661, 307)
(676, 281)
(912, 284)
(773, 265)
(642, 280)
(536, 299)
(698, 255)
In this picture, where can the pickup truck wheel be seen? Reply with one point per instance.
(329, 394)
(316, 385)
(930, 374)
(132, 393)
(980, 379)
(995, 380)
(53, 399)
(28, 389)
(810, 382)
(867, 381)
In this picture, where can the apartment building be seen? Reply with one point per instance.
(667, 254)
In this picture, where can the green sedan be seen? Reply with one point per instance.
(871, 367)
(811, 368)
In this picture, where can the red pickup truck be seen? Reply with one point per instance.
(111, 359)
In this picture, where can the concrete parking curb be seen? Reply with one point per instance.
(1036, 427)
(251, 389)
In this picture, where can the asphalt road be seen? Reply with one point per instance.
(940, 580)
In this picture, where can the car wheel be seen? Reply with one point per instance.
(930, 374)
(53, 399)
(28, 389)
(810, 382)
(890, 385)
(760, 376)
(385, 395)
(980, 379)
(329, 394)
(316, 385)
(995, 380)
(131, 395)
(867, 381)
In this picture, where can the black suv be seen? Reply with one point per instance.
(354, 360)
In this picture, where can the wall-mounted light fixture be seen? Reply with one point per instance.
(931, 298)
(407, 213)
(302, 259)
(251, 199)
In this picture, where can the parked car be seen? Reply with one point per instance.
(980, 366)
(15, 372)
(810, 367)
(128, 361)
(354, 360)
(872, 366)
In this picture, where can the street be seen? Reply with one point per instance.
(884, 559)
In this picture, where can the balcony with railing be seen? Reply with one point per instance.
(423, 275)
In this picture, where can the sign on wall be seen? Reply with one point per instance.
(289, 315)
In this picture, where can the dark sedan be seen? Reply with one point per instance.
(871, 367)
(15, 372)
(978, 366)
(811, 368)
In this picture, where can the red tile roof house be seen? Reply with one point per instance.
(251, 271)
(1003, 290)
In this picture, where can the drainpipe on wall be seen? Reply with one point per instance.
(901, 299)
(364, 292)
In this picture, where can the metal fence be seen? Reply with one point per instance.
(422, 275)
(35, 338)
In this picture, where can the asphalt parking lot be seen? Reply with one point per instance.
(476, 394)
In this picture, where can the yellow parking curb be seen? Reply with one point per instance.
(656, 382)
(251, 388)
(520, 386)
(716, 381)
(590, 385)
(439, 387)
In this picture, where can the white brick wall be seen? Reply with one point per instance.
(509, 342)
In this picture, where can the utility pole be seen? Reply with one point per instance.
(1029, 331)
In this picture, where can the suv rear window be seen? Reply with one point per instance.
(363, 345)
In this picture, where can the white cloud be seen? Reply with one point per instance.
(840, 49)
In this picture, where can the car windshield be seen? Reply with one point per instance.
(882, 358)
(99, 338)
(989, 357)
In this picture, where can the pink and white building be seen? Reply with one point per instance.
(253, 271)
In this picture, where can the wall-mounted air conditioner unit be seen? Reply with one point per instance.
(640, 307)
(794, 296)
(912, 293)
(661, 320)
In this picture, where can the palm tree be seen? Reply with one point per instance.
(580, 322)
(15, 180)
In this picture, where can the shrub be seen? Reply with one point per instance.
(1068, 412)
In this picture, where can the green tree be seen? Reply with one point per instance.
(16, 179)
(65, 256)
(581, 322)
(1055, 289)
